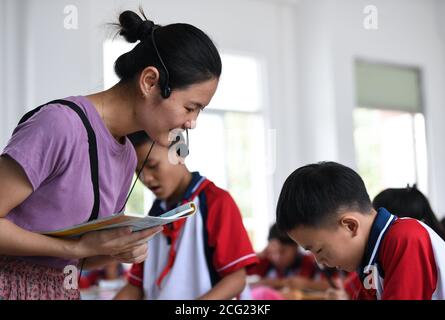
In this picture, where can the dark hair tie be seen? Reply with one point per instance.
(144, 29)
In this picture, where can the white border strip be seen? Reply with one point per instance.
(377, 244)
(236, 261)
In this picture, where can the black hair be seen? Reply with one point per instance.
(314, 194)
(188, 54)
(139, 138)
(275, 233)
(409, 202)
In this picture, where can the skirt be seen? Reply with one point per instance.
(22, 280)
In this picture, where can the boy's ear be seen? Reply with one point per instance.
(350, 223)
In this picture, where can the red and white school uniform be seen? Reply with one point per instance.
(193, 254)
(404, 259)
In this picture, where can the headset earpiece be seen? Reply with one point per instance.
(166, 92)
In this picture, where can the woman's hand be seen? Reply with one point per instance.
(136, 254)
(121, 243)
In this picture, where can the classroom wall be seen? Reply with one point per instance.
(12, 64)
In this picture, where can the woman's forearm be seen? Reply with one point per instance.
(15, 241)
(276, 283)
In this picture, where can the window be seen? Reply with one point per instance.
(389, 133)
(228, 145)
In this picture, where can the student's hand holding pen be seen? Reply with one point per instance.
(121, 243)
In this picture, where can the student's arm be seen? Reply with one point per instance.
(232, 248)
(228, 287)
(134, 288)
(15, 241)
(129, 292)
(276, 283)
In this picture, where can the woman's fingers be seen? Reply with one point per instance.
(132, 260)
(140, 236)
(127, 241)
(136, 254)
(133, 252)
(115, 241)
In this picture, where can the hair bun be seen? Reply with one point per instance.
(133, 28)
(145, 29)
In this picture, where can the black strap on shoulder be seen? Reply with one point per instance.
(94, 163)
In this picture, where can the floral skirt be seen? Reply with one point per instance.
(22, 280)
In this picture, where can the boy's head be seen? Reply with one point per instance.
(281, 250)
(325, 208)
(164, 172)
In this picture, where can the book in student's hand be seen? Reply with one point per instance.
(136, 222)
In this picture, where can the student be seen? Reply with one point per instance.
(403, 202)
(325, 208)
(409, 202)
(48, 171)
(284, 265)
(201, 257)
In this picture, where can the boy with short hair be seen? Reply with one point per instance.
(201, 257)
(326, 209)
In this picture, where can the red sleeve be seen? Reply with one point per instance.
(227, 235)
(135, 275)
(261, 268)
(407, 258)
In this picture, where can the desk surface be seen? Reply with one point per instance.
(302, 295)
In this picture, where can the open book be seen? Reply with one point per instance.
(136, 222)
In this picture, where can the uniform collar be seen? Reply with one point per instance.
(380, 226)
(194, 184)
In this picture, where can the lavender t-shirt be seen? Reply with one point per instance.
(52, 148)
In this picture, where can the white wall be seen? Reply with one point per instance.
(12, 64)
